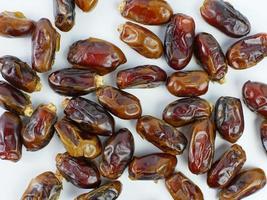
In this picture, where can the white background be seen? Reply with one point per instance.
(102, 22)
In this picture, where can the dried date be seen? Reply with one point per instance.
(263, 132)
(86, 5)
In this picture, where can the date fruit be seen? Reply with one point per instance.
(97, 55)
(86, 5)
(263, 131)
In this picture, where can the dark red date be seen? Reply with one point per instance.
(86, 5)
(263, 132)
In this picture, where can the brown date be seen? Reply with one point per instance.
(45, 43)
(162, 135)
(14, 100)
(152, 167)
(10, 137)
(117, 154)
(74, 141)
(145, 76)
(39, 130)
(89, 116)
(142, 40)
(202, 147)
(149, 12)
(74, 82)
(229, 118)
(122, 104)
(86, 5)
(224, 170)
(186, 111)
(15, 24)
(45, 186)
(263, 132)
(179, 41)
(244, 184)
(225, 17)
(182, 188)
(19, 74)
(97, 55)
(248, 51)
(211, 57)
(188, 83)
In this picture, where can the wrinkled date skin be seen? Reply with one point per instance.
(109, 191)
(225, 17)
(263, 131)
(149, 12)
(78, 171)
(45, 186)
(122, 104)
(146, 76)
(182, 188)
(14, 100)
(248, 51)
(210, 56)
(15, 24)
(76, 145)
(152, 167)
(141, 40)
(39, 130)
(229, 118)
(89, 116)
(45, 43)
(202, 146)
(10, 137)
(74, 82)
(244, 184)
(161, 134)
(188, 83)
(97, 55)
(86, 5)
(64, 11)
(226, 168)
(179, 41)
(187, 110)
(19, 74)
(117, 154)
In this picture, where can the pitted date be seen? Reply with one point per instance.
(161, 134)
(97, 55)
(122, 104)
(179, 40)
(86, 5)
(263, 132)
(188, 83)
(224, 170)
(145, 76)
(152, 167)
(229, 118)
(117, 154)
(19, 74)
(149, 12)
(225, 17)
(187, 110)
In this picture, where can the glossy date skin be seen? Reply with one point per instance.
(19, 74)
(162, 135)
(263, 132)
(179, 40)
(225, 17)
(224, 170)
(229, 118)
(39, 130)
(86, 5)
(97, 55)
(149, 12)
(122, 104)
(186, 111)
(182, 188)
(248, 51)
(45, 43)
(10, 137)
(145, 76)
(210, 56)
(245, 183)
(117, 154)
(188, 83)
(152, 167)
(142, 40)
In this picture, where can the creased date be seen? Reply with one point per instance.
(86, 5)
(263, 132)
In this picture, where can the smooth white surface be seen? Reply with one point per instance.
(102, 22)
